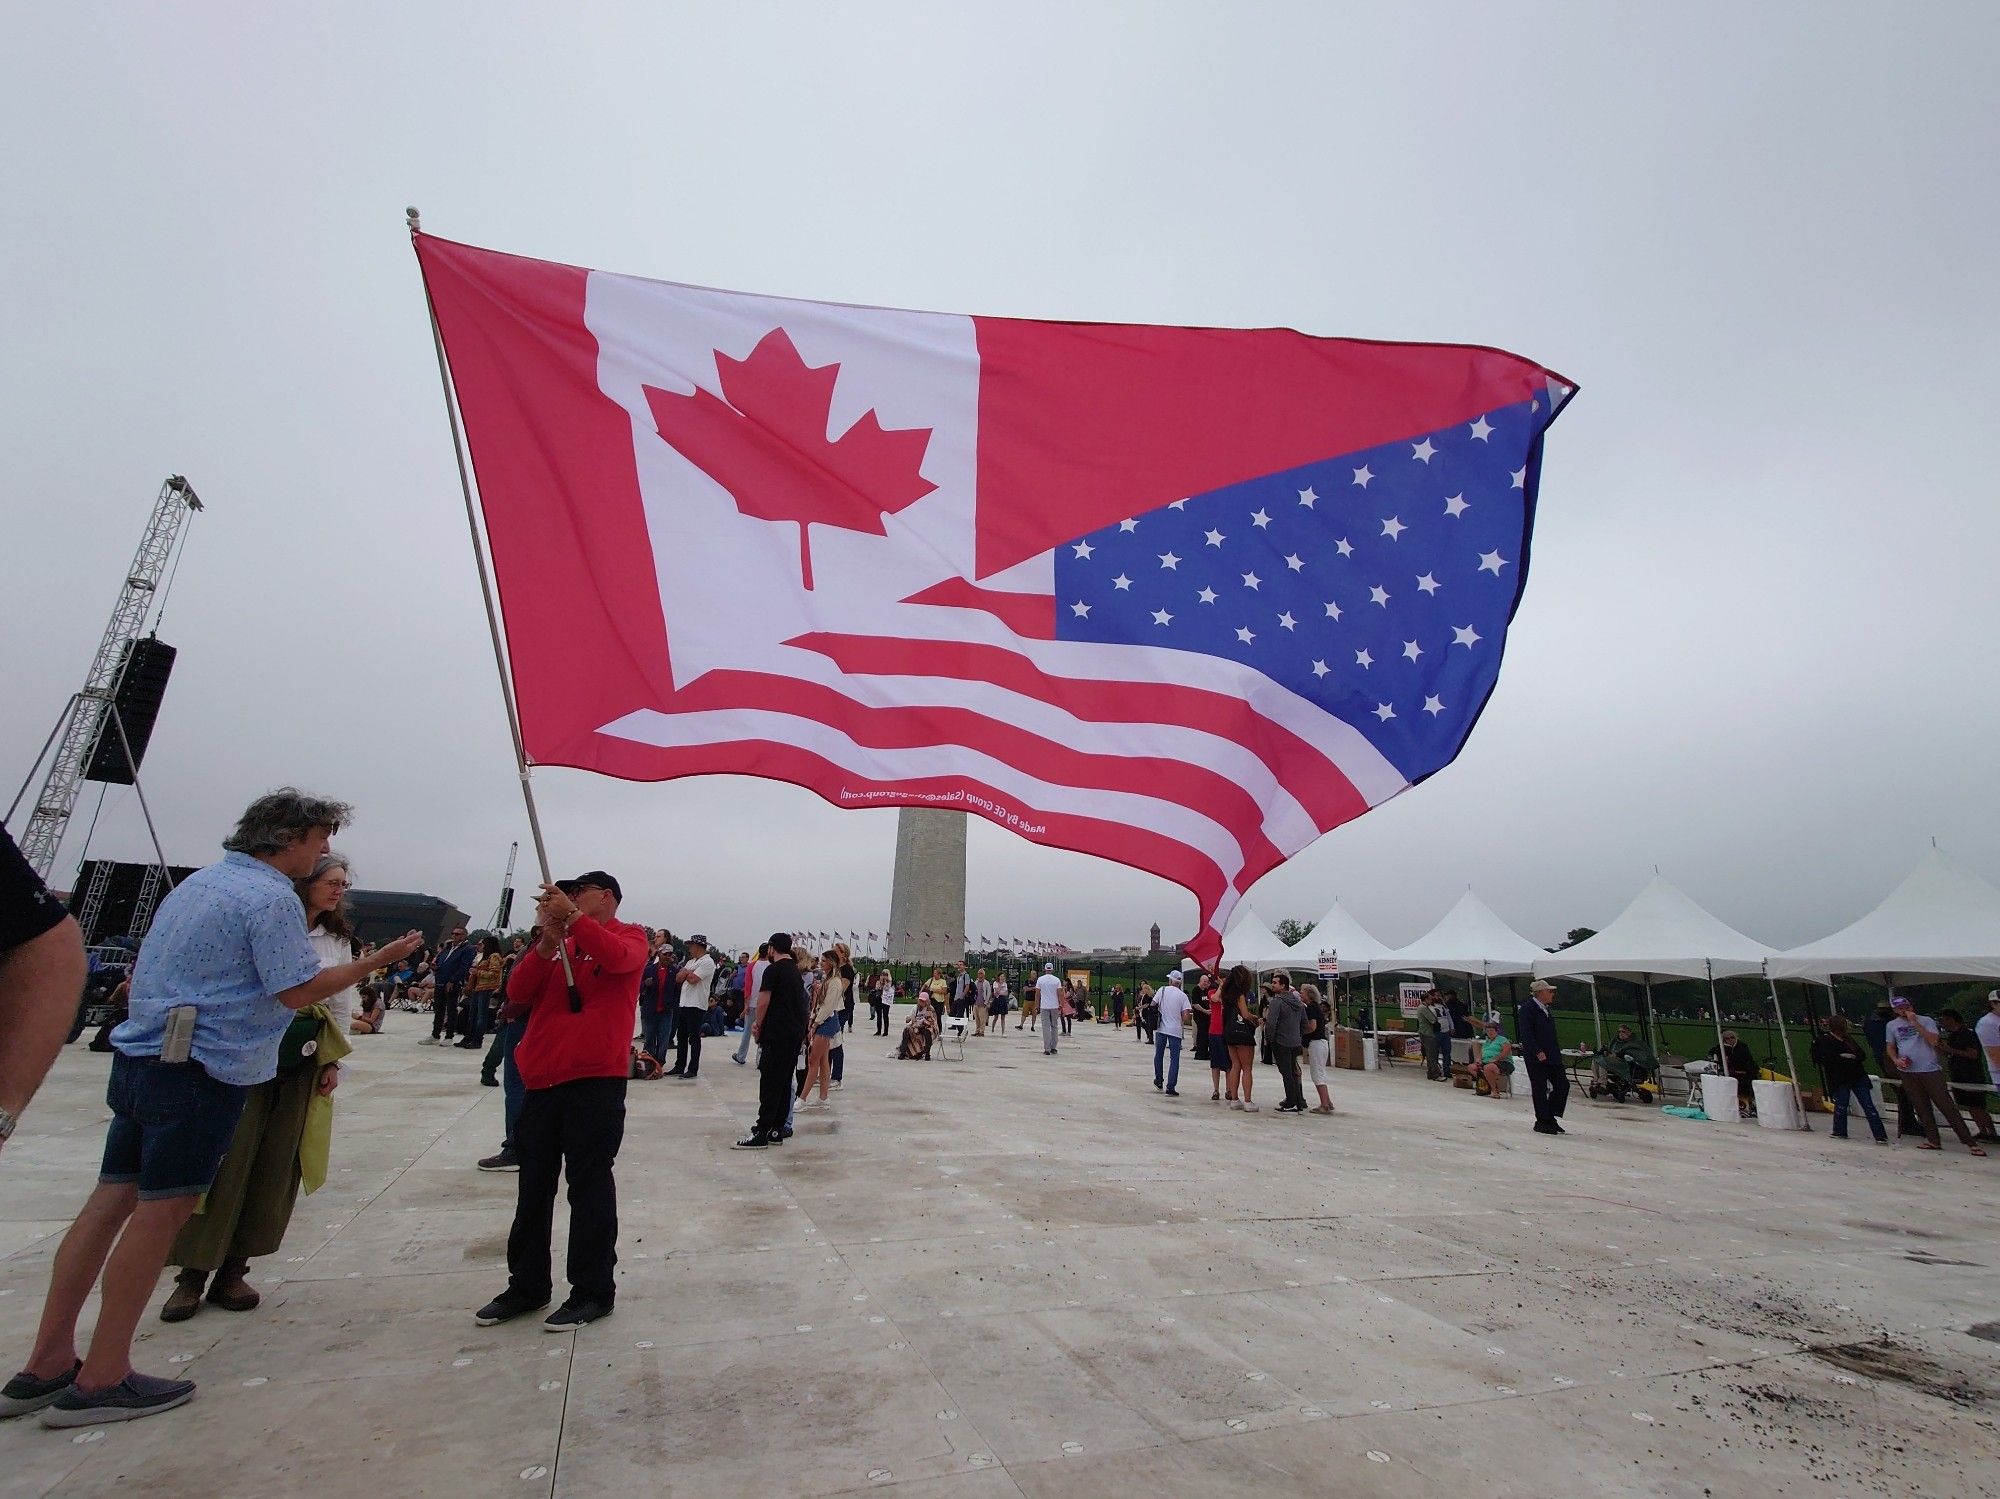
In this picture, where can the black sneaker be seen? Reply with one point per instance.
(24, 1392)
(134, 1396)
(506, 1160)
(578, 1311)
(755, 1140)
(1173, 1093)
(508, 1305)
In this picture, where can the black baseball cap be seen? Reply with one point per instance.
(596, 878)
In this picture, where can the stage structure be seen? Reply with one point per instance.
(927, 902)
(101, 732)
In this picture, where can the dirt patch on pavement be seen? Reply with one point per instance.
(1884, 1358)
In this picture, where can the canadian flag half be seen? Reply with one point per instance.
(1185, 598)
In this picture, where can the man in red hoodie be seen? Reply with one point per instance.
(575, 1058)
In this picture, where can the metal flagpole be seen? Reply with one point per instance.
(1791, 1068)
(1715, 1011)
(492, 615)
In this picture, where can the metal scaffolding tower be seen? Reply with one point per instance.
(91, 710)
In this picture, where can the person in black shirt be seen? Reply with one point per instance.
(1846, 1073)
(780, 1029)
(1734, 1058)
(42, 973)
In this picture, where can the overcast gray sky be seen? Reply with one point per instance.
(1756, 646)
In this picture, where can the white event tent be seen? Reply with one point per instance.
(1470, 940)
(1340, 934)
(1663, 933)
(1940, 923)
(1254, 945)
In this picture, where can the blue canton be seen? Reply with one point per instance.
(1377, 585)
(226, 940)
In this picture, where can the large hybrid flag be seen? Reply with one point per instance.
(1185, 598)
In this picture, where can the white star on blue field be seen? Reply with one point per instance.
(1377, 584)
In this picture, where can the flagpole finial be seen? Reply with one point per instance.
(414, 219)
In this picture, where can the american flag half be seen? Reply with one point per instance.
(1186, 598)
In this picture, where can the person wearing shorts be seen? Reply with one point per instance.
(1319, 1044)
(229, 945)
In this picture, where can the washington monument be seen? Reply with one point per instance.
(927, 904)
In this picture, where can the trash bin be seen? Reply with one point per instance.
(1371, 1058)
(1777, 1105)
(1718, 1095)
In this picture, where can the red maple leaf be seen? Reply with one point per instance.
(764, 440)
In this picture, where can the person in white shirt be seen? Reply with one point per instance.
(1175, 1009)
(1048, 994)
(753, 973)
(696, 978)
(1988, 1031)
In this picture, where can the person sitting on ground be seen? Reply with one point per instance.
(1735, 1059)
(919, 1033)
(1496, 1058)
(372, 1014)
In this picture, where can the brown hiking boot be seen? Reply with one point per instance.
(231, 1291)
(186, 1298)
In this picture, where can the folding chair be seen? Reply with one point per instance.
(955, 1027)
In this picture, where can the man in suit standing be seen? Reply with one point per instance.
(449, 971)
(1543, 1054)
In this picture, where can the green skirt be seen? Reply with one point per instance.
(249, 1205)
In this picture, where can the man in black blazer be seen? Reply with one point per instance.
(1543, 1054)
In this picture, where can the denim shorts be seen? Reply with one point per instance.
(171, 1124)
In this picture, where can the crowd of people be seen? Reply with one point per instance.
(229, 1039)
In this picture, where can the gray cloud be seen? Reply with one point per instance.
(1755, 647)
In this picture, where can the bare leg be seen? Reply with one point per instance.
(84, 1250)
(129, 1278)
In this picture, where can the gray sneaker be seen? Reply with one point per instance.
(24, 1393)
(134, 1396)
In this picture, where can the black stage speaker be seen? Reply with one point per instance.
(142, 683)
(121, 896)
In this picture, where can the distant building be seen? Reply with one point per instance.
(1155, 947)
(382, 914)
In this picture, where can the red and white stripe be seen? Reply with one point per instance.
(921, 667)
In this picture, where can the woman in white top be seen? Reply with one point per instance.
(828, 1004)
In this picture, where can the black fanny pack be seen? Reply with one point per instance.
(300, 1043)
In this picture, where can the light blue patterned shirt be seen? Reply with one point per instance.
(228, 939)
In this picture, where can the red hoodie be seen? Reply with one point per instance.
(596, 1041)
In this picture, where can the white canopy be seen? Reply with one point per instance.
(1470, 939)
(1662, 934)
(1941, 922)
(1253, 944)
(1338, 933)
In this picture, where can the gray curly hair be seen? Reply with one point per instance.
(275, 821)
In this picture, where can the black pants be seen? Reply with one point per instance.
(881, 1017)
(444, 1010)
(687, 1040)
(1551, 1090)
(774, 1084)
(1288, 1069)
(571, 1130)
(1065, 1022)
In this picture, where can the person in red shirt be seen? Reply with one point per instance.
(575, 1058)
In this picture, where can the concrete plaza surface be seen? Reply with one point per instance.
(1022, 1275)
